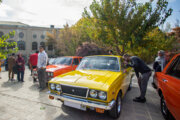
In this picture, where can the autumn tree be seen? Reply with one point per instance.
(7, 47)
(154, 41)
(52, 39)
(124, 23)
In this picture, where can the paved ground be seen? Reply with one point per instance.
(24, 101)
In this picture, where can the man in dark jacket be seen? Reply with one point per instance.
(139, 67)
(11, 64)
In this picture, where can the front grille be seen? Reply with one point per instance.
(77, 91)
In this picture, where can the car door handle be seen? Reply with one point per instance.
(164, 80)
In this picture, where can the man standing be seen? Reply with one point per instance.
(160, 61)
(139, 67)
(42, 62)
(33, 61)
(11, 64)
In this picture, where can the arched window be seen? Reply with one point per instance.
(42, 36)
(34, 36)
(42, 44)
(10, 47)
(21, 34)
(34, 45)
(50, 47)
(21, 45)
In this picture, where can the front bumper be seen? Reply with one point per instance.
(83, 102)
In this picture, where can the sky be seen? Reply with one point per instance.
(56, 12)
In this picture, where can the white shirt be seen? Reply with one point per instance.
(161, 61)
(42, 59)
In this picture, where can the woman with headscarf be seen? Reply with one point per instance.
(21, 68)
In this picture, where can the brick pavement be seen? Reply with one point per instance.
(24, 101)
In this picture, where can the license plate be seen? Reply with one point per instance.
(75, 105)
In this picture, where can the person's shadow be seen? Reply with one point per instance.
(15, 85)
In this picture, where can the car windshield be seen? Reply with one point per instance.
(99, 63)
(63, 61)
(51, 61)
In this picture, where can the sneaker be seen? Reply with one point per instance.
(140, 100)
(138, 97)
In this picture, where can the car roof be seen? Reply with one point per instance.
(106, 56)
(71, 56)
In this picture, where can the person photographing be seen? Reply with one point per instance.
(139, 67)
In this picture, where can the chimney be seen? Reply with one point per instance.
(51, 26)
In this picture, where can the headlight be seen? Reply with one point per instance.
(93, 93)
(52, 86)
(102, 95)
(58, 87)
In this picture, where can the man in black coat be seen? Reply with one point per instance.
(139, 67)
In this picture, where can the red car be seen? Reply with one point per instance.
(61, 65)
(167, 84)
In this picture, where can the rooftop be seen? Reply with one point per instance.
(12, 23)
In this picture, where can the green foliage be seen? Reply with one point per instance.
(123, 24)
(6, 47)
(69, 38)
(153, 42)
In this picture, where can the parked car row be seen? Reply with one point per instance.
(100, 82)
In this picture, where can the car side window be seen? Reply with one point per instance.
(174, 69)
(75, 61)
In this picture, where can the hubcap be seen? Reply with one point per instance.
(119, 104)
(164, 108)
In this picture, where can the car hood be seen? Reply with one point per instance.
(52, 68)
(94, 79)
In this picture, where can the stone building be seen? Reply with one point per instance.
(28, 38)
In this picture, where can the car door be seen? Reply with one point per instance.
(75, 63)
(125, 75)
(171, 87)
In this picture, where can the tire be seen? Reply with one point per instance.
(164, 110)
(116, 110)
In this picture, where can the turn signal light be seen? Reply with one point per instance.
(99, 110)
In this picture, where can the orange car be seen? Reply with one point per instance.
(62, 65)
(167, 84)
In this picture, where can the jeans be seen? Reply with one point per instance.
(143, 82)
(20, 76)
(42, 78)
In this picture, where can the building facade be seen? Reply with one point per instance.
(28, 38)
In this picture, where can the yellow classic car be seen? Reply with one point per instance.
(99, 83)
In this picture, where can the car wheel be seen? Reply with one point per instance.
(116, 110)
(164, 110)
